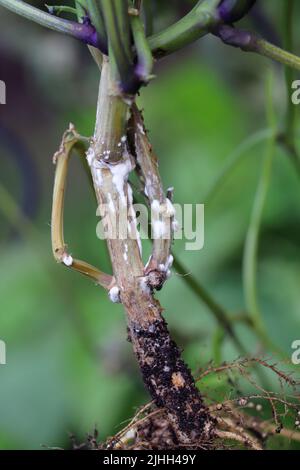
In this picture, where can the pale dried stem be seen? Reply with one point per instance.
(162, 211)
(61, 159)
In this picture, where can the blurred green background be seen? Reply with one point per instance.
(69, 366)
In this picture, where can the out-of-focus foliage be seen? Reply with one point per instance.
(69, 366)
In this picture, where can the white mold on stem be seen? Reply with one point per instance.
(114, 295)
(67, 260)
(144, 283)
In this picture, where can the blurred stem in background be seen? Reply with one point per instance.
(252, 237)
(291, 112)
(13, 212)
(233, 160)
(219, 312)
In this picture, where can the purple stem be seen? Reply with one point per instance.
(87, 33)
(245, 40)
(231, 11)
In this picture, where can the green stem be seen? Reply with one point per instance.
(38, 16)
(286, 58)
(250, 42)
(288, 139)
(144, 54)
(289, 74)
(219, 313)
(82, 32)
(148, 16)
(117, 25)
(80, 9)
(232, 161)
(188, 29)
(251, 244)
(217, 343)
(95, 12)
(57, 9)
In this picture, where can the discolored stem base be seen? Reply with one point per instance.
(166, 376)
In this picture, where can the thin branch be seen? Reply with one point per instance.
(233, 10)
(287, 139)
(220, 314)
(144, 65)
(59, 248)
(117, 25)
(162, 210)
(85, 32)
(251, 243)
(233, 160)
(188, 29)
(96, 15)
(250, 42)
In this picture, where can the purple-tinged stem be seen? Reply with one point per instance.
(85, 31)
(231, 11)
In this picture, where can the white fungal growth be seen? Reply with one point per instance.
(170, 262)
(125, 255)
(90, 155)
(170, 208)
(132, 226)
(160, 229)
(120, 174)
(67, 260)
(111, 204)
(106, 154)
(98, 177)
(123, 139)
(155, 206)
(140, 128)
(130, 194)
(148, 262)
(144, 285)
(114, 295)
(166, 268)
(175, 226)
(161, 215)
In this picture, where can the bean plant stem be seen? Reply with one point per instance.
(165, 374)
(81, 31)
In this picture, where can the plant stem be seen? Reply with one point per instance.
(271, 51)
(144, 54)
(251, 244)
(250, 42)
(166, 376)
(289, 6)
(288, 137)
(116, 19)
(220, 314)
(94, 9)
(191, 27)
(233, 160)
(82, 31)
